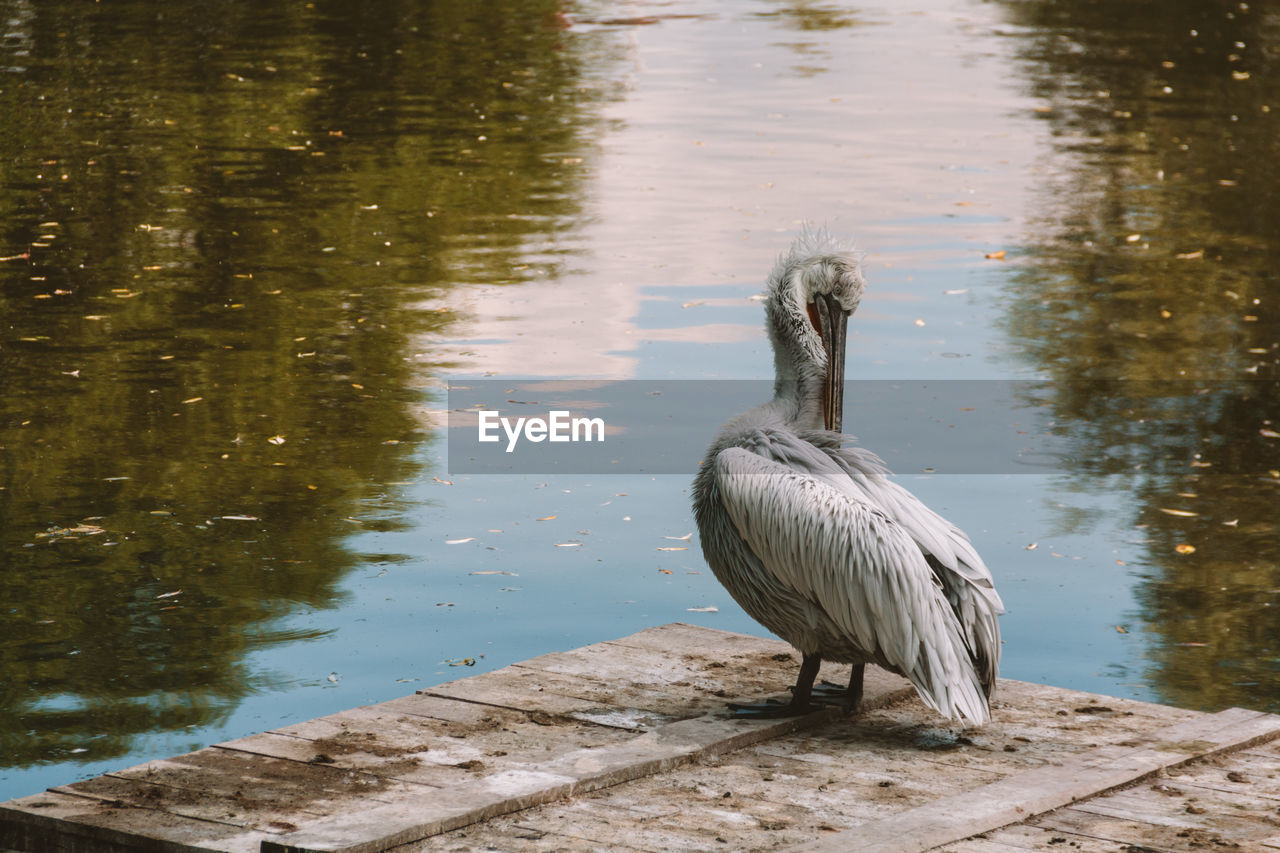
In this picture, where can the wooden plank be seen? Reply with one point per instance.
(1122, 833)
(1022, 837)
(1042, 789)
(616, 703)
(428, 751)
(713, 643)
(71, 824)
(580, 771)
(1185, 807)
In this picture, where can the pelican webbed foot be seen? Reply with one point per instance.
(772, 709)
(847, 698)
(800, 696)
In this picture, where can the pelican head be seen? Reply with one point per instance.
(812, 291)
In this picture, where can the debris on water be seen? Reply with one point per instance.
(239, 518)
(1120, 629)
(1184, 548)
(169, 594)
(459, 541)
(547, 518)
(568, 544)
(996, 256)
(672, 549)
(684, 538)
(443, 482)
(334, 678)
(496, 572)
(710, 608)
(1181, 513)
(1033, 546)
(276, 439)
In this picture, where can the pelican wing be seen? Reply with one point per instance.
(853, 564)
(964, 576)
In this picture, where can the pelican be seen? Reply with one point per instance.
(813, 539)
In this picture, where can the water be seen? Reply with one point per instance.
(245, 249)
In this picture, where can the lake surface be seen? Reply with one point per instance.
(244, 251)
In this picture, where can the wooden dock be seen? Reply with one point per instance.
(625, 746)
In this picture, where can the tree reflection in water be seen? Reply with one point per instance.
(220, 223)
(1155, 258)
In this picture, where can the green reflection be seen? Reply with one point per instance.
(222, 228)
(1155, 258)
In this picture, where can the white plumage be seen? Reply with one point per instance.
(815, 541)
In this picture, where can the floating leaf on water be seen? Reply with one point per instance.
(996, 256)
(547, 518)
(665, 571)
(711, 608)
(672, 548)
(239, 518)
(191, 400)
(1232, 523)
(1184, 548)
(918, 321)
(443, 482)
(955, 292)
(1190, 256)
(1033, 546)
(459, 541)
(276, 439)
(684, 538)
(568, 544)
(1120, 629)
(1268, 433)
(1192, 645)
(169, 594)
(1133, 238)
(334, 677)
(496, 572)
(693, 304)
(1181, 513)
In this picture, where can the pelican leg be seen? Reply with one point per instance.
(847, 698)
(800, 695)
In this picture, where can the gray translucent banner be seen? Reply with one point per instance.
(916, 426)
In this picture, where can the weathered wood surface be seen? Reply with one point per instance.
(625, 745)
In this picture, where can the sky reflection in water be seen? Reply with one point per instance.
(243, 254)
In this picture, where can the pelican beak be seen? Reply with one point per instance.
(831, 323)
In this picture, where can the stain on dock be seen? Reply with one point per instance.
(625, 745)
